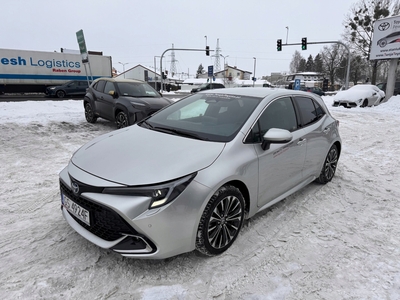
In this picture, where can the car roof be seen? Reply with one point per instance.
(116, 79)
(260, 92)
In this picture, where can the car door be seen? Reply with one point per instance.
(280, 167)
(71, 88)
(316, 132)
(106, 102)
(82, 87)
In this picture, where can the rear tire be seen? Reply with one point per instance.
(221, 221)
(329, 167)
(89, 113)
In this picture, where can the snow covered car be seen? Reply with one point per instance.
(361, 95)
(188, 176)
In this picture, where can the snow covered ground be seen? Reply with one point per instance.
(334, 241)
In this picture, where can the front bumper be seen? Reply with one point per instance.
(125, 225)
(345, 103)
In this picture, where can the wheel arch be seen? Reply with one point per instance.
(244, 191)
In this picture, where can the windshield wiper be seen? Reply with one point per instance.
(148, 125)
(180, 133)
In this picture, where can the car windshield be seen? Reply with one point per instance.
(361, 87)
(211, 117)
(137, 89)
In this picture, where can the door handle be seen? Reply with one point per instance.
(326, 130)
(301, 141)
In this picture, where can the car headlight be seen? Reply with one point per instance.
(52, 88)
(137, 104)
(160, 194)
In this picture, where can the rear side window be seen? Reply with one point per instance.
(310, 111)
(99, 85)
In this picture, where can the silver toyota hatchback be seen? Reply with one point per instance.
(188, 176)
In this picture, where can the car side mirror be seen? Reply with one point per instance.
(113, 93)
(276, 136)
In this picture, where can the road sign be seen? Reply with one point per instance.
(82, 46)
(210, 71)
(297, 84)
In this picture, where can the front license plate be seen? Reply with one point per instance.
(75, 209)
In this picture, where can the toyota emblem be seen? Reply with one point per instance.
(75, 187)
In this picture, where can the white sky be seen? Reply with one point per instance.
(135, 31)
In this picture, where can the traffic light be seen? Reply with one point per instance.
(279, 45)
(304, 43)
(208, 50)
(163, 75)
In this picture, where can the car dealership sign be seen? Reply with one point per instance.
(386, 39)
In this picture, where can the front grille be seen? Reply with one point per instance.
(105, 223)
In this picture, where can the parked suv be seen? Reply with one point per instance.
(207, 86)
(396, 92)
(124, 101)
(70, 88)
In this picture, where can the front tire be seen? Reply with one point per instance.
(122, 120)
(365, 103)
(60, 94)
(330, 164)
(221, 221)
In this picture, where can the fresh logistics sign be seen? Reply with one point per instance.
(35, 67)
(386, 39)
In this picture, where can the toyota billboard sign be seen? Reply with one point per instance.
(386, 39)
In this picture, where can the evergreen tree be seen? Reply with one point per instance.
(200, 70)
(318, 64)
(310, 64)
(302, 65)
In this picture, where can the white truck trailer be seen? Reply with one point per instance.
(23, 71)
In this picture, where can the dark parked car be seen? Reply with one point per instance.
(70, 88)
(207, 86)
(396, 92)
(124, 101)
(315, 90)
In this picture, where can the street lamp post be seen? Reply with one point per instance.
(254, 79)
(155, 73)
(123, 66)
(287, 33)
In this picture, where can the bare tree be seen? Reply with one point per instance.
(359, 24)
(294, 64)
(332, 57)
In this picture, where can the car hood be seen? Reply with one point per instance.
(150, 101)
(352, 95)
(140, 156)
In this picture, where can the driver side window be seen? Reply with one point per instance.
(279, 114)
(109, 87)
